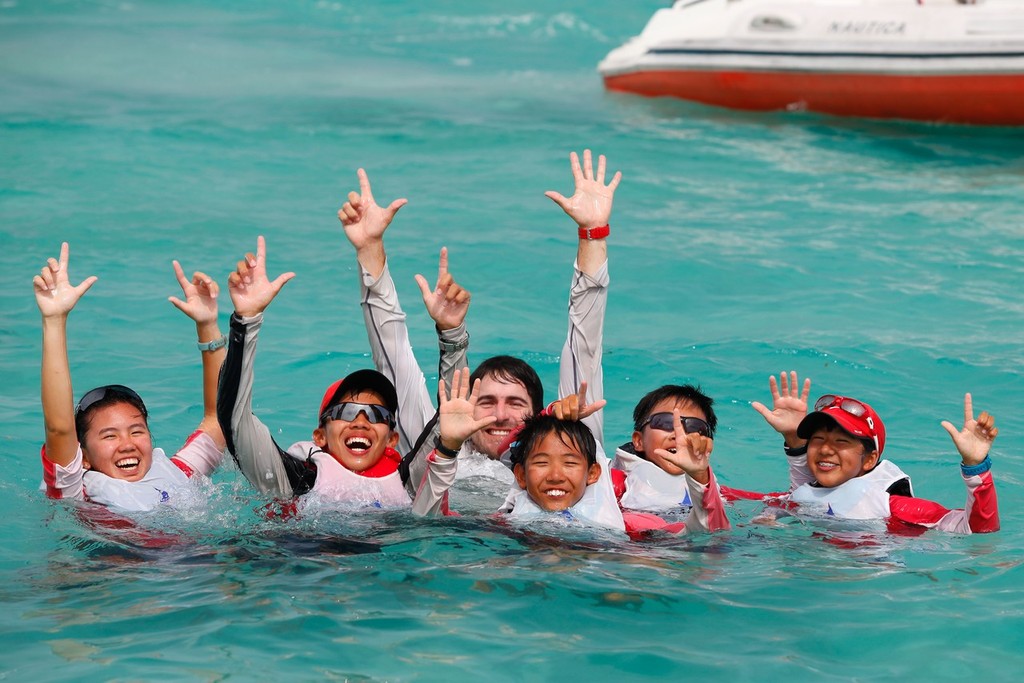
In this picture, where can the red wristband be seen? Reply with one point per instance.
(595, 233)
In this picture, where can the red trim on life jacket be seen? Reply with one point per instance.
(916, 510)
(618, 483)
(730, 494)
(388, 464)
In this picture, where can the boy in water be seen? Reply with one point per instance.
(101, 449)
(555, 462)
(351, 457)
(643, 479)
(836, 467)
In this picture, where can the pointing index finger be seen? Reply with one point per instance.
(364, 185)
(180, 274)
(261, 251)
(442, 264)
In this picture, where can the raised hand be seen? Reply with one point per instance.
(575, 406)
(455, 413)
(447, 303)
(591, 203)
(693, 451)
(201, 292)
(55, 295)
(975, 440)
(251, 291)
(364, 221)
(789, 405)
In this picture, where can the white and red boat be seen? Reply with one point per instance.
(928, 60)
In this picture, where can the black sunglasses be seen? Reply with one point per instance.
(663, 422)
(348, 412)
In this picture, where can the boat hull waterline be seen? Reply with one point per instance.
(977, 99)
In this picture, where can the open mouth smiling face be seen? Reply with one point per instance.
(556, 474)
(507, 401)
(358, 444)
(118, 443)
(834, 457)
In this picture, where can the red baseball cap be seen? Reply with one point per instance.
(361, 380)
(852, 416)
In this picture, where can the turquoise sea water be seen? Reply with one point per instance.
(881, 259)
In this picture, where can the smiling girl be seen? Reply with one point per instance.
(101, 449)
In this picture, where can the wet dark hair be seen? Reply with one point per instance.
(679, 392)
(570, 432)
(509, 369)
(101, 397)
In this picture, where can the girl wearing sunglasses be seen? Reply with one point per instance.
(836, 465)
(101, 450)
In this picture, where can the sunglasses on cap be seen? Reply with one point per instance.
(348, 412)
(98, 394)
(663, 423)
(851, 406)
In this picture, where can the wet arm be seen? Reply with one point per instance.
(212, 361)
(392, 352)
(708, 511)
(581, 359)
(799, 472)
(260, 459)
(56, 393)
(979, 515)
(454, 349)
(431, 497)
(61, 457)
(204, 450)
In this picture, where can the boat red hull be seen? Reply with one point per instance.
(966, 98)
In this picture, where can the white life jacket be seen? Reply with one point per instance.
(863, 497)
(597, 506)
(159, 485)
(648, 487)
(473, 463)
(335, 483)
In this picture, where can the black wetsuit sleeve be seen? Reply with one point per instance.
(265, 464)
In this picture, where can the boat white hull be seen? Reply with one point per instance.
(948, 63)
